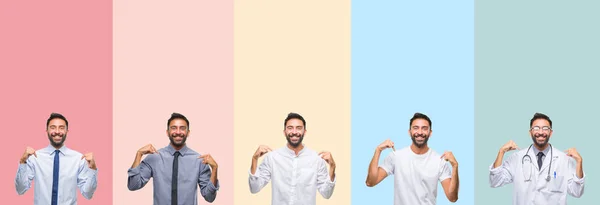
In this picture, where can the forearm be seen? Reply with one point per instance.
(253, 165)
(579, 169)
(373, 167)
(332, 172)
(23, 179)
(213, 176)
(137, 160)
(454, 184)
(88, 185)
(499, 158)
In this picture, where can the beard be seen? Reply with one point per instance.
(289, 140)
(57, 144)
(414, 140)
(174, 143)
(540, 144)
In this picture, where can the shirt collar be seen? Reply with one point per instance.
(292, 153)
(171, 150)
(62, 149)
(545, 151)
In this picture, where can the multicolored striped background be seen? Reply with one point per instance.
(356, 70)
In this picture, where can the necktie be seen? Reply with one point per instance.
(539, 159)
(174, 178)
(55, 178)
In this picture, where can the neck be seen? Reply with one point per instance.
(57, 147)
(177, 147)
(296, 149)
(419, 150)
(542, 148)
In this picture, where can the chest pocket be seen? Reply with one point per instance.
(556, 184)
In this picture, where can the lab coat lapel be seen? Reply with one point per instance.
(546, 162)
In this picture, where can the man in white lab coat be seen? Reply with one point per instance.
(541, 173)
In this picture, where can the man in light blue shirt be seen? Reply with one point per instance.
(56, 169)
(177, 170)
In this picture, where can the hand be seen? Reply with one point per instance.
(510, 145)
(148, 149)
(386, 144)
(207, 159)
(28, 152)
(89, 157)
(572, 152)
(262, 150)
(449, 157)
(328, 158)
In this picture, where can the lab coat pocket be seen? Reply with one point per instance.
(556, 184)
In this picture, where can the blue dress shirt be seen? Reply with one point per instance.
(74, 172)
(192, 173)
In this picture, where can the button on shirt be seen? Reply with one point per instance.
(192, 173)
(296, 179)
(74, 172)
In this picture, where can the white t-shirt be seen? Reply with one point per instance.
(415, 176)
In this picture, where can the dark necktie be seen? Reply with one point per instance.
(539, 158)
(55, 178)
(174, 178)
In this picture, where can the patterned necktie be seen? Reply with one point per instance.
(55, 178)
(174, 178)
(539, 159)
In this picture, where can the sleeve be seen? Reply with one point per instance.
(575, 185)
(444, 171)
(25, 174)
(389, 164)
(262, 176)
(324, 183)
(502, 175)
(207, 189)
(139, 176)
(87, 179)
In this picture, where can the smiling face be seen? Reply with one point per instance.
(294, 132)
(178, 132)
(419, 132)
(540, 132)
(57, 132)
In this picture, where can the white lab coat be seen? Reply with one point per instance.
(538, 190)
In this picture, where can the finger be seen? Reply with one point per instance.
(393, 148)
(34, 154)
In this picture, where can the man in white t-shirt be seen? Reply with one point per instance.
(416, 168)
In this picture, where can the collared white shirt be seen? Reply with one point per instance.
(73, 172)
(295, 178)
(530, 185)
(416, 176)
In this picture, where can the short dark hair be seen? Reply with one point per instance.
(59, 116)
(537, 116)
(294, 116)
(419, 115)
(178, 116)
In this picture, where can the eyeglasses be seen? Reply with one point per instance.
(543, 129)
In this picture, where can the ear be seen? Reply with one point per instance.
(188, 133)
(409, 135)
(167, 131)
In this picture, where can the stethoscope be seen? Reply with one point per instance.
(529, 159)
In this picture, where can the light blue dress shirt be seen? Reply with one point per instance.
(192, 173)
(74, 172)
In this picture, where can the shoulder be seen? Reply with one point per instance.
(190, 151)
(71, 152)
(434, 153)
